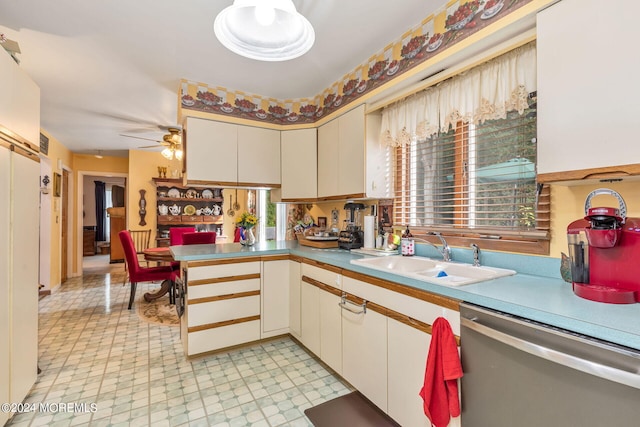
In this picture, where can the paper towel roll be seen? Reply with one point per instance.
(369, 230)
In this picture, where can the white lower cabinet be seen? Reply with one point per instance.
(330, 330)
(223, 304)
(274, 316)
(364, 353)
(310, 317)
(408, 348)
(294, 299)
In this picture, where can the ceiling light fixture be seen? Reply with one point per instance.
(170, 152)
(266, 30)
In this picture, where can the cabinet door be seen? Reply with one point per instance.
(5, 177)
(212, 151)
(275, 298)
(328, 135)
(299, 161)
(258, 156)
(587, 86)
(364, 354)
(20, 103)
(310, 317)
(330, 330)
(294, 299)
(351, 159)
(24, 281)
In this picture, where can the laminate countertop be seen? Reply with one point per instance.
(542, 299)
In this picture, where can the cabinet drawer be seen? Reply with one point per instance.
(223, 310)
(210, 218)
(321, 275)
(413, 307)
(191, 218)
(169, 218)
(223, 288)
(224, 270)
(225, 336)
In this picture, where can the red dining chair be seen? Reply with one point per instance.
(175, 234)
(141, 274)
(204, 237)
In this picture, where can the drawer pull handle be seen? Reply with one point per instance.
(343, 305)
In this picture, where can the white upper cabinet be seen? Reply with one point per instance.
(328, 143)
(230, 154)
(341, 156)
(587, 90)
(351, 152)
(20, 101)
(211, 151)
(258, 156)
(299, 164)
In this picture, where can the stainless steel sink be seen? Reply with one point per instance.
(434, 271)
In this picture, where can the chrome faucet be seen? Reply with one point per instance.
(476, 255)
(445, 251)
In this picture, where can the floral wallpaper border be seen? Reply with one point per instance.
(455, 22)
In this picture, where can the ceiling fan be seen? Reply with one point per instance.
(172, 142)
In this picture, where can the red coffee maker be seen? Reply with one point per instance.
(604, 248)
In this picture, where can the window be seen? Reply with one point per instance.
(475, 181)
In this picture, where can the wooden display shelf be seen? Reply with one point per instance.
(190, 199)
(189, 219)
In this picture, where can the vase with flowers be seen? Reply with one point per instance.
(246, 221)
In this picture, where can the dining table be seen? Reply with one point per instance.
(161, 255)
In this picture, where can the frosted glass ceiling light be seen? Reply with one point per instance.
(266, 30)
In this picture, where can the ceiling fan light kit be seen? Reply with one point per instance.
(170, 152)
(265, 30)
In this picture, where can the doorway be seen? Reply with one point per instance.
(93, 221)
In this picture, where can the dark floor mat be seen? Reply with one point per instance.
(351, 410)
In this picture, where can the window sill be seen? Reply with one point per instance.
(494, 242)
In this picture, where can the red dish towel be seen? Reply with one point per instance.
(440, 389)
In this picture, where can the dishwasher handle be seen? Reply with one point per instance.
(587, 366)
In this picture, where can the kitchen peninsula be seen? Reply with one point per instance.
(543, 299)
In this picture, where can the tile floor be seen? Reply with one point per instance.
(94, 350)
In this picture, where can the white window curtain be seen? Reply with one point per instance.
(485, 92)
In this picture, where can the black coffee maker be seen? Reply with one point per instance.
(352, 236)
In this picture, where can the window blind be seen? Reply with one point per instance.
(477, 178)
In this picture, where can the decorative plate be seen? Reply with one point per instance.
(191, 194)
(207, 194)
(492, 11)
(173, 192)
(189, 210)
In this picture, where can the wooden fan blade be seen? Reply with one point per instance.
(151, 146)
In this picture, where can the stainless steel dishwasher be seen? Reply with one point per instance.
(519, 373)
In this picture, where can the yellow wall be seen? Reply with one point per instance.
(143, 167)
(567, 205)
(56, 152)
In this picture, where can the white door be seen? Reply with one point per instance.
(328, 171)
(25, 189)
(294, 299)
(364, 353)
(330, 330)
(211, 151)
(310, 317)
(275, 298)
(5, 167)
